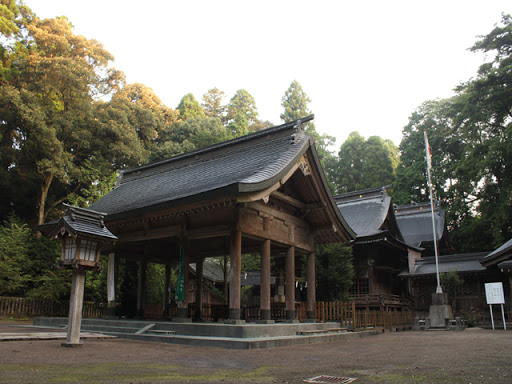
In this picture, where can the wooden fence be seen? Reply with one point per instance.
(21, 307)
(342, 312)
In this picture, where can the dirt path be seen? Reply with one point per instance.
(472, 356)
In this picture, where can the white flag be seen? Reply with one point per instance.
(428, 153)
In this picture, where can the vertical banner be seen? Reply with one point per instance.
(179, 295)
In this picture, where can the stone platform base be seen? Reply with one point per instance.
(233, 336)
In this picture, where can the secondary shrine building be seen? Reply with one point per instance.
(265, 192)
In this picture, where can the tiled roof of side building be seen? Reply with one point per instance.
(415, 222)
(245, 164)
(365, 211)
(499, 254)
(461, 263)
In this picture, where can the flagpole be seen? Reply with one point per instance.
(429, 165)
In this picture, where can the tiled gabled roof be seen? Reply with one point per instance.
(369, 213)
(245, 164)
(415, 222)
(365, 211)
(227, 171)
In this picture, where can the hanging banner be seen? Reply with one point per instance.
(179, 295)
(111, 278)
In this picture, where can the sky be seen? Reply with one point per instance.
(365, 65)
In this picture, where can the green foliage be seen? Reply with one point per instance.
(213, 103)
(470, 137)
(190, 135)
(155, 283)
(295, 103)
(14, 237)
(8, 13)
(363, 164)
(28, 264)
(189, 108)
(334, 272)
(451, 282)
(241, 113)
(296, 106)
(53, 122)
(142, 113)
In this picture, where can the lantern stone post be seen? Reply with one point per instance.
(83, 233)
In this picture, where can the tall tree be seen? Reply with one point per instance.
(147, 114)
(241, 113)
(470, 136)
(50, 130)
(296, 106)
(189, 108)
(486, 117)
(190, 135)
(213, 105)
(364, 163)
(295, 103)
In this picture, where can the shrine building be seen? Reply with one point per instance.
(262, 193)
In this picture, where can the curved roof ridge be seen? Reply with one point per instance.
(219, 155)
(214, 147)
(363, 191)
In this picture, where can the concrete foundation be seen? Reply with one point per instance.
(233, 336)
(440, 311)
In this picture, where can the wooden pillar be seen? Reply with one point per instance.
(510, 285)
(265, 312)
(112, 272)
(167, 292)
(198, 312)
(76, 301)
(234, 283)
(311, 299)
(290, 279)
(141, 289)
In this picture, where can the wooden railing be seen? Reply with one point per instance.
(382, 300)
(342, 312)
(21, 307)
(388, 320)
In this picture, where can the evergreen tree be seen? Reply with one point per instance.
(363, 164)
(213, 103)
(189, 108)
(241, 113)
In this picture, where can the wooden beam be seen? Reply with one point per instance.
(248, 197)
(288, 199)
(207, 232)
(149, 234)
(265, 210)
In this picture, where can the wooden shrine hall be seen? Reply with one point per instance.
(265, 192)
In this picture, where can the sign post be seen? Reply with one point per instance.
(494, 295)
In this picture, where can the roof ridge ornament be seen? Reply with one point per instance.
(299, 131)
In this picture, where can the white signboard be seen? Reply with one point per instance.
(494, 293)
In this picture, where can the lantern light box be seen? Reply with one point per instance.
(83, 234)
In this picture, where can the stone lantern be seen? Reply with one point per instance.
(83, 234)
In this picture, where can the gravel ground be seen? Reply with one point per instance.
(472, 356)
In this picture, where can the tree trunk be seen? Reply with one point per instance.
(45, 187)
